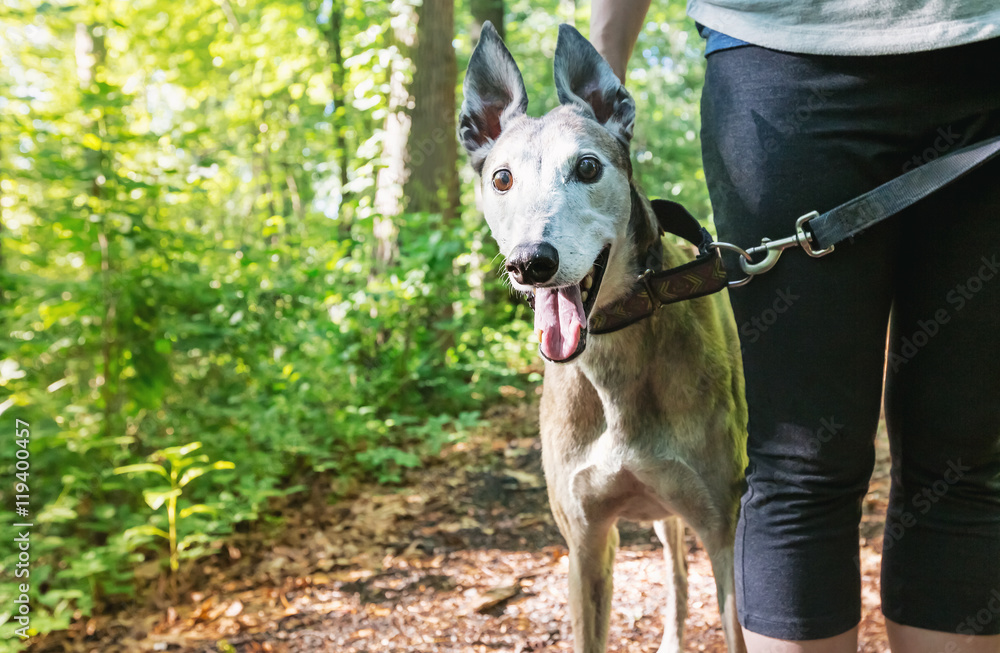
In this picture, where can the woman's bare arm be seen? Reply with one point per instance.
(614, 28)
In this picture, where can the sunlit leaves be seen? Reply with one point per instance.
(181, 262)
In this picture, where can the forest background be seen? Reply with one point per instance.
(241, 258)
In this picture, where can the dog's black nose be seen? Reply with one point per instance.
(533, 263)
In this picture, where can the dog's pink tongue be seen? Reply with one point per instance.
(559, 318)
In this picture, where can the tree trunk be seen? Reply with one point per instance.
(486, 10)
(3, 265)
(391, 177)
(338, 83)
(482, 11)
(90, 55)
(266, 175)
(420, 149)
(433, 146)
(567, 11)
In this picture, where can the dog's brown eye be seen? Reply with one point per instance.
(588, 168)
(502, 180)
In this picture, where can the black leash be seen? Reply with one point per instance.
(851, 218)
(818, 234)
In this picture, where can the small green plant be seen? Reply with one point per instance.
(179, 470)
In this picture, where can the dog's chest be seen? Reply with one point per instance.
(616, 474)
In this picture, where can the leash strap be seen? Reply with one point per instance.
(702, 276)
(852, 217)
(816, 234)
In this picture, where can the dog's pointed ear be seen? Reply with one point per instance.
(494, 95)
(585, 79)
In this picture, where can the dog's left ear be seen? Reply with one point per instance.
(494, 96)
(584, 78)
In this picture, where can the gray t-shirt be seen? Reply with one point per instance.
(851, 27)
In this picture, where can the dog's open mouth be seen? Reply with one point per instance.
(561, 313)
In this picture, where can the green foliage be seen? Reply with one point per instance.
(180, 469)
(180, 263)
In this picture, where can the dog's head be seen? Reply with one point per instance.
(556, 189)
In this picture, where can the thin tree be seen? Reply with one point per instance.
(432, 184)
(91, 52)
(486, 10)
(420, 151)
(338, 90)
(482, 11)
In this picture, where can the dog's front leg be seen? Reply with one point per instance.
(591, 561)
(725, 582)
(671, 534)
(690, 496)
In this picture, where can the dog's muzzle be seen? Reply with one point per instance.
(533, 263)
(561, 314)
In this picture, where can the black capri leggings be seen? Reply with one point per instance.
(784, 134)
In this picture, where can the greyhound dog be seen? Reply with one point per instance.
(645, 423)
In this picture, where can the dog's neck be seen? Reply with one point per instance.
(615, 362)
(635, 250)
(634, 369)
(643, 233)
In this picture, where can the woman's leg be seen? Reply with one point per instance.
(782, 136)
(842, 643)
(941, 550)
(907, 639)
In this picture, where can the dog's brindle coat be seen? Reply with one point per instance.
(647, 423)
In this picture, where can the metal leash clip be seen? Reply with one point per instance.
(745, 257)
(772, 249)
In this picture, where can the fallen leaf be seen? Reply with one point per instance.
(496, 596)
(527, 479)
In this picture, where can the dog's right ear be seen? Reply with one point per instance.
(585, 79)
(494, 94)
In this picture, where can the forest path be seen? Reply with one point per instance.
(462, 557)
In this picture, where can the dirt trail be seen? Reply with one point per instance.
(464, 557)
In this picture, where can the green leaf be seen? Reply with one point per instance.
(188, 448)
(173, 454)
(144, 529)
(195, 472)
(190, 475)
(142, 468)
(156, 498)
(197, 508)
